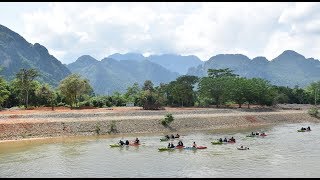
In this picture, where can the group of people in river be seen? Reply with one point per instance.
(226, 140)
(306, 129)
(136, 141)
(255, 133)
(172, 136)
(171, 145)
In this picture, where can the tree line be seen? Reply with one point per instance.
(221, 87)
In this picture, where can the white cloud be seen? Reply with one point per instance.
(205, 29)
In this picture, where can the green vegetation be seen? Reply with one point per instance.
(25, 83)
(73, 87)
(167, 120)
(97, 128)
(221, 88)
(314, 112)
(112, 127)
(4, 92)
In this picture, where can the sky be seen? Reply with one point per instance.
(72, 29)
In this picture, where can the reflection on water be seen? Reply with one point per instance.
(283, 153)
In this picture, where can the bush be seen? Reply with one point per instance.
(314, 112)
(113, 127)
(167, 120)
(97, 128)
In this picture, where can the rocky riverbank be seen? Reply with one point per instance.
(29, 124)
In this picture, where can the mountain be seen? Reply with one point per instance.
(127, 56)
(173, 62)
(109, 75)
(17, 53)
(288, 69)
(176, 63)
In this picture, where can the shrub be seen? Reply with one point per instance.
(314, 112)
(98, 128)
(167, 120)
(113, 127)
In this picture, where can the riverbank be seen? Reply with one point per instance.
(25, 124)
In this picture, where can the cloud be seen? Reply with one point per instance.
(205, 29)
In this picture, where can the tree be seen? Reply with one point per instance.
(46, 95)
(260, 91)
(25, 79)
(73, 86)
(181, 92)
(215, 89)
(238, 87)
(216, 73)
(4, 93)
(151, 99)
(314, 90)
(148, 85)
(132, 94)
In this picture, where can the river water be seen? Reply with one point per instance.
(283, 153)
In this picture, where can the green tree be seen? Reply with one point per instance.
(148, 85)
(238, 87)
(4, 93)
(216, 73)
(73, 86)
(260, 91)
(132, 93)
(46, 95)
(314, 91)
(25, 82)
(151, 99)
(215, 89)
(181, 91)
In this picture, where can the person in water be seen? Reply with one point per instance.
(232, 139)
(137, 141)
(194, 144)
(171, 146)
(172, 136)
(177, 136)
(121, 142)
(127, 142)
(180, 143)
(252, 133)
(167, 136)
(220, 140)
(308, 128)
(225, 140)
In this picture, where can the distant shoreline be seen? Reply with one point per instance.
(25, 124)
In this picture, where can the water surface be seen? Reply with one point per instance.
(283, 153)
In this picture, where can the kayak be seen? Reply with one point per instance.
(115, 145)
(164, 139)
(134, 144)
(179, 147)
(165, 149)
(201, 147)
(251, 135)
(263, 135)
(216, 142)
(243, 148)
(195, 148)
(231, 141)
(303, 130)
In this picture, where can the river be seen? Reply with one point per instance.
(284, 153)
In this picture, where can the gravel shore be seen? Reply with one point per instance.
(16, 126)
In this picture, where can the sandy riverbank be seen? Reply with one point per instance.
(22, 124)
